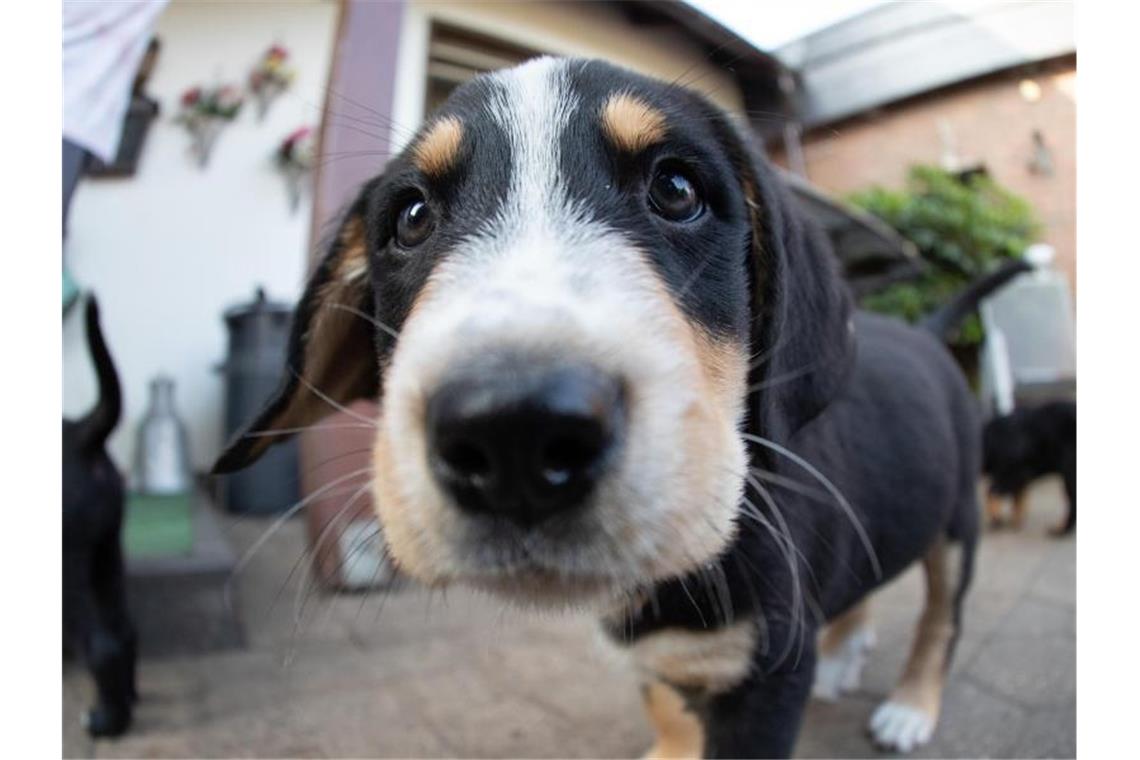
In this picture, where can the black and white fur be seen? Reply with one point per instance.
(783, 454)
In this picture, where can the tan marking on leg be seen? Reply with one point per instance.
(995, 508)
(839, 629)
(631, 124)
(1019, 503)
(679, 732)
(437, 151)
(921, 683)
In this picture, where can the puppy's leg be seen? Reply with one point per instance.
(103, 655)
(111, 599)
(761, 717)
(1019, 503)
(907, 719)
(843, 648)
(679, 731)
(109, 645)
(1069, 524)
(995, 509)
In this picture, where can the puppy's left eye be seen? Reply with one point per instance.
(414, 223)
(674, 196)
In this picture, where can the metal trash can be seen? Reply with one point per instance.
(258, 343)
(1031, 352)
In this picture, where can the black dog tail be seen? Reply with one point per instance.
(966, 302)
(100, 421)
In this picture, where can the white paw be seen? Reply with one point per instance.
(901, 727)
(839, 672)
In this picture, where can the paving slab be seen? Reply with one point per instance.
(407, 673)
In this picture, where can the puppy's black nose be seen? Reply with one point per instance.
(524, 442)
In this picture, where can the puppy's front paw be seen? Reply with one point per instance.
(902, 727)
(839, 672)
(1060, 530)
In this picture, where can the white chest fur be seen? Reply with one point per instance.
(710, 661)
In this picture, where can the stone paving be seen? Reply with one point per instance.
(428, 675)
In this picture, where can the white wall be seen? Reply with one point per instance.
(170, 248)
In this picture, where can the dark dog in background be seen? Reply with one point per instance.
(96, 623)
(1026, 445)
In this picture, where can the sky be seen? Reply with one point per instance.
(768, 24)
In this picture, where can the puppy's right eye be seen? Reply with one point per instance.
(414, 222)
(674, 196)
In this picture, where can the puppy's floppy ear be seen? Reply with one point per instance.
(332, 354)
(802, 335)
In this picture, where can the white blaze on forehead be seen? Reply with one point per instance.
(532, 105)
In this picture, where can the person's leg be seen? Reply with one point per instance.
(74, 160)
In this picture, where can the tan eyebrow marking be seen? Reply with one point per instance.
(438, 149)
(631, 124)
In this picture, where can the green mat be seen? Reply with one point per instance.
(158, 526)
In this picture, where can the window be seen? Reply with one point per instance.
(456, 55)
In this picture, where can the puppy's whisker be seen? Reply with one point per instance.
(795, 374)
(336, 458)
(783, 538)
(760, 357)
(331, 401)
(313, 551)
(364, 542)
(747, 570)
(793, 569)
(696, 607)
(697, 272)
(826, 483)
(354, 128)
(313, 589)
(367, 317)
(276, 525)
(328, 159)
(791, 484)
(721, 581)
(372, 123)
(302, 429)
(385, 120)
(387, 561)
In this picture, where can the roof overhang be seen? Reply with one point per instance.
(763, 79)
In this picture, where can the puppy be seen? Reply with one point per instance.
(96, 621)
(617, 370)
(1026, 445)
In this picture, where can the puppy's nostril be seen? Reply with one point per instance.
(466, 459)
(563, 456)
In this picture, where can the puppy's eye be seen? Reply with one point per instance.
(414, 223)
(674, 196)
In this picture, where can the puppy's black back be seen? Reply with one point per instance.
(901, 443)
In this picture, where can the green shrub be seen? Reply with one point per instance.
(962, 226)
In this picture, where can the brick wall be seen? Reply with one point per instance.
(990, 121)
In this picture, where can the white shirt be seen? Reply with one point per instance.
(103, 44)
